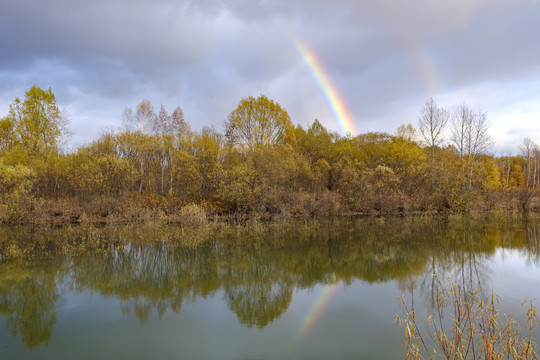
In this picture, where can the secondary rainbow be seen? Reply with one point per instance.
(428, 71)
(422, 59)
(327, 87)
(321, 302)
(424, 63)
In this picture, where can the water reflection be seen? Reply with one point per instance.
(29, 299)
(257, 266)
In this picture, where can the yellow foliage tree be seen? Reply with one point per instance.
(258, 122)
(15, 191)
(38, 122)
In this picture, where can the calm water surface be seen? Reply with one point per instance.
(294, 290)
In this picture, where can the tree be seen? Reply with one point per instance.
(143, 119)
(470, 131)
(315, 142)
(432, 123)
(16, 184)
(173, 132)
(172, 125)
(7, 133)
(470, 135)
(38, 123)
(406, 133)
(207, 148)
(530, 151)
(258, 122)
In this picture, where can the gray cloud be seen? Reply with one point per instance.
(385, 56)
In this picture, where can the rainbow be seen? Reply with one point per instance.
(324, 82)
(427, 70)
(311, 317)
(423, 62)
(421, 58)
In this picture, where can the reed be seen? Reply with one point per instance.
(465, 326)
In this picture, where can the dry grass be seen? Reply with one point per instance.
(193, 215)
(467, 327)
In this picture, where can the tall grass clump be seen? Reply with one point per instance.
(193, 215)
(468, 327)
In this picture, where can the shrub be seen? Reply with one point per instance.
(192, 214)
(16, 191)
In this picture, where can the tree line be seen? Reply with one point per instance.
(155, 165)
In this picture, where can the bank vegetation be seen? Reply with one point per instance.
(156, 167)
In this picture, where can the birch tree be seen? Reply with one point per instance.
(470, 135)
(432, 123)
(530, 153)
(470, 132)
(142, 119)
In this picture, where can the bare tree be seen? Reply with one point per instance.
(530, 154)
(470, 135)
(470, 132)
(536, 154)
(432, 123)
(530, 151)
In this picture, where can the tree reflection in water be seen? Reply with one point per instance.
(29, 299)
(256, 265)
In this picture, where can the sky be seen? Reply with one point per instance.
(355, 65)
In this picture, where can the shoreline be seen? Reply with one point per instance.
(195, 215)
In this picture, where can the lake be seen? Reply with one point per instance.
(303, 289)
